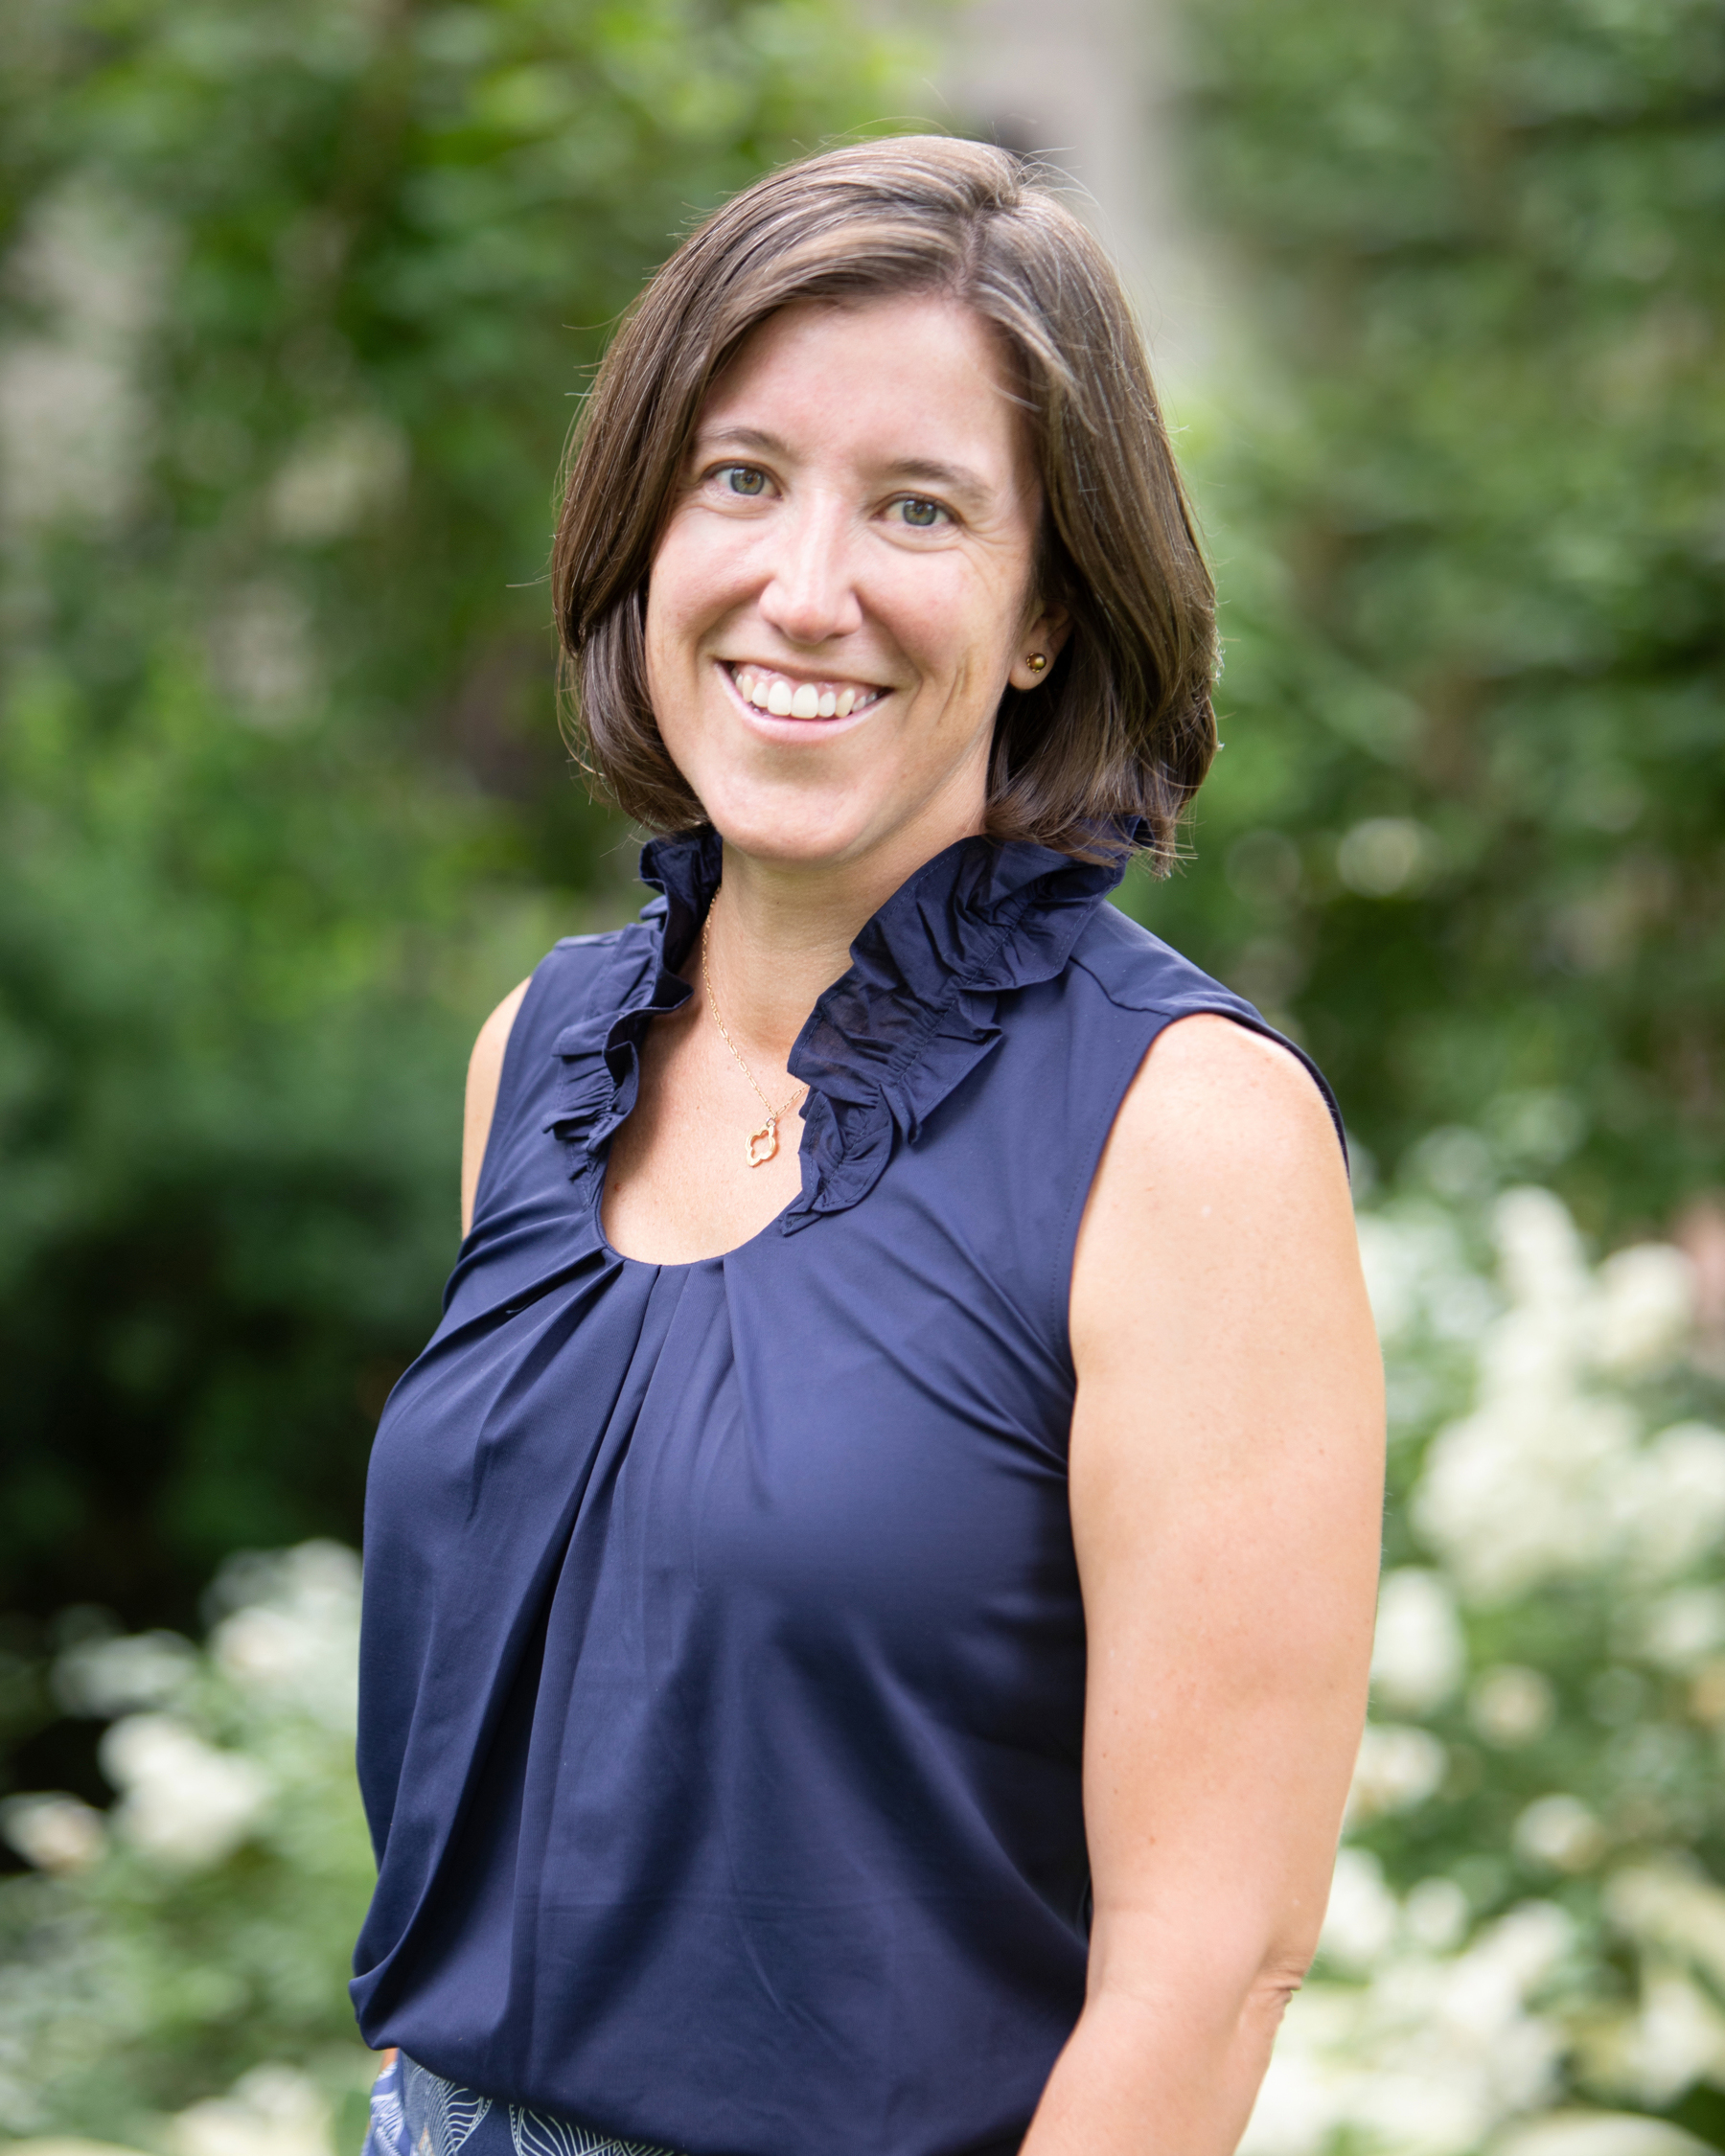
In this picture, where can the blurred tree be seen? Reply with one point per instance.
(292, 310)
(1468, 829)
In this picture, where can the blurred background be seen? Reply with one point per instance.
(295, 308)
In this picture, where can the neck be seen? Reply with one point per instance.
(782, 933)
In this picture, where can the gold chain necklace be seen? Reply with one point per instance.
(763, 1143)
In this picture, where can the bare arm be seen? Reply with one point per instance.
(485, 1071)
(1227, 1494)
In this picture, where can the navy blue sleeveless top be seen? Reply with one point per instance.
(722, 1672)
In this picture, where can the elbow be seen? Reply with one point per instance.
(1278, 1978)
(1230, 1974)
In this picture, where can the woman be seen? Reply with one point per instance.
(866, 1623)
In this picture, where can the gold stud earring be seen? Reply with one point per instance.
(1036, 662)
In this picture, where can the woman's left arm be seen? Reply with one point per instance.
(1226, 1490)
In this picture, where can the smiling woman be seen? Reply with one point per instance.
(865, 1643)
(1060, 444)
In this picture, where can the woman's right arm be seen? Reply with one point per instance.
(485, 1070)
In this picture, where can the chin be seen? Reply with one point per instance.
(870, 801)
(797, 830)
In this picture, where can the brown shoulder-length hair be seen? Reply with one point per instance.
(1101, 757)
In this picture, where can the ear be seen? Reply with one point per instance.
(1041, 637)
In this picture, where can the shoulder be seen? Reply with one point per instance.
(1228, 1096)
(562, 987)
(1138, 972)
(580, 971)
(1222, 1177)
(1220, 1105)
(485, 1065)
(1222, 1041)
(555, 992)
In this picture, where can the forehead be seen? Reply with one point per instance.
(901, 378)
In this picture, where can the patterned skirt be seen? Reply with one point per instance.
(415, 2112)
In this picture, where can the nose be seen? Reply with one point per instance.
(810, 594)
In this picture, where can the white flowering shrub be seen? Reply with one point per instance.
(1524, 1950)
(172, 1973)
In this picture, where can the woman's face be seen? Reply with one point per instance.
(843, 589)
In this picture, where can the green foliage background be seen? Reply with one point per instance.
(294, 306)
(298, 302)
(1466, 505)
(282, 803)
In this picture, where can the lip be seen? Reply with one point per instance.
(799, 731)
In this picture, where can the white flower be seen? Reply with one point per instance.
(1560, 1831)
(1413, 1264)
(1460, 1308)
(56, 1833)
(320, 1575)
(1520, 1491)
(1543, 1263)
(1362, 1916)
(271, 2111)
(1676, 2039)
(336, 477)
(295, 1637)
(72, 435)
(74, 427)
(1597, 2133)
(1514, 1957)
(1418, 1655)
(260, 652)
(1548, 1479)
(1398, 1768)
(1428, 2059)
(1511, 1706)
(1673, 1908)
(1391, 1259)
(1685, 1628)
(1671, 1509)
(1435, 1914)
(117, 1676)
(93, 261)
(1305, 2094)
(184, 1803)
(1643, 1308)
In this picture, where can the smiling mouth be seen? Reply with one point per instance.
(781, 697)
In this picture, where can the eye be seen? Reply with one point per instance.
(742, 479)
(920, 514)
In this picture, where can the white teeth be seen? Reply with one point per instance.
(803, 700)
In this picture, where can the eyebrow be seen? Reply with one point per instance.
(956, 479)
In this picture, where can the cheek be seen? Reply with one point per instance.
(958, 631)
(668, 594)
(690, 586)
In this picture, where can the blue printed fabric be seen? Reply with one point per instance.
(417, 2113)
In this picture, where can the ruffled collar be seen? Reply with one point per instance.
(917, 1011)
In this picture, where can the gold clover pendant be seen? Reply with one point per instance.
(763, 1144)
